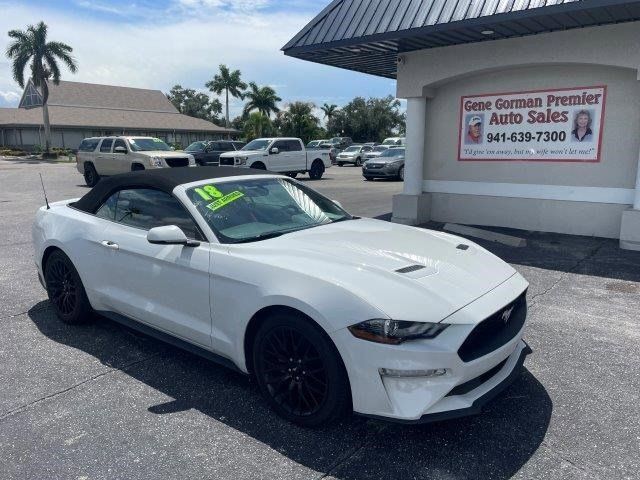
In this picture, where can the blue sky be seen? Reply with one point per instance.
(156, 44)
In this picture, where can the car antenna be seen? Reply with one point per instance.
(45, 193)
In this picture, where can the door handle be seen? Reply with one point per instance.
(110, 244)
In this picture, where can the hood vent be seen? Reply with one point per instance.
(410, 268)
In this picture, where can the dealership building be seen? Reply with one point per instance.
(521, 114)
(80, 110)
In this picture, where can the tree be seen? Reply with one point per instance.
(262, 99)
(329, 110)
(195, 104)
(229, 82)
(32, 46)
(298, 121)
(256, 124)
(368, 120)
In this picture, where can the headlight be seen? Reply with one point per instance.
(241, 160)
(155, 162)
(394, 332)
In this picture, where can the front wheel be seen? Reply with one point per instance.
(401, 173)
(317, 170)
(259, 166)
(358, 162)
(299, 371)
(65, 290)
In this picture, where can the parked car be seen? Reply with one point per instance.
(208, 152)
(103, 156)
(394, 141)
(354, 154)
(375, 151)
(389, 164)
(316, 143)
(371, 144)
(243, 268)
(283, 155)
(333, 151)
(341, 142)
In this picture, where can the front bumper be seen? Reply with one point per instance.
(465, 386)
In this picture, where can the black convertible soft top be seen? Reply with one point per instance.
(164, 179)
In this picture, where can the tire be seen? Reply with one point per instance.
(292, 174)
(259, 166)
(358, 162)
(136, 167)
(401, 174)
(65, 290)
(341, 164)
(317, 170)
(312, 390)
(91, 176)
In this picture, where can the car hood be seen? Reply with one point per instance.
(242, 153)
(387, 159)
(348, 154)
(364, 256)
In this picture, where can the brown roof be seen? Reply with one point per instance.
(93, 106)
(87, 117)
(78, 94)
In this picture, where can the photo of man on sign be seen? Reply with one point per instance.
(474, 130)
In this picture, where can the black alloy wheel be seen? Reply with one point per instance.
(65, 289)
(91, 177)
(299, 372)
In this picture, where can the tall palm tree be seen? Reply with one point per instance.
(329, 110)
(262, 99)
(255, 124)
(32, 46)
(229, 82)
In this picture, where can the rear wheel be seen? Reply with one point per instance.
(65, 289)
(299, 371)
(317, 170)
(91, 176)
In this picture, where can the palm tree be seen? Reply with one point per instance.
(229, 82)
(329, 110)
(32, 46)
(262, 99)
(255, 124)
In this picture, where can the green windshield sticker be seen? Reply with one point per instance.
(209, 192)
(226, 200)
(157, 140)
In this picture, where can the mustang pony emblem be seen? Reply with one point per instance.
(506, 315)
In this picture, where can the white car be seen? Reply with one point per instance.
(394, 141)
(281, 155)
(328, 311)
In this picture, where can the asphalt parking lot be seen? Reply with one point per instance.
(103, 402)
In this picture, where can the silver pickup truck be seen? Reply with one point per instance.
(282, 155)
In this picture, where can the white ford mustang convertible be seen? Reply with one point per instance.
(329, 312)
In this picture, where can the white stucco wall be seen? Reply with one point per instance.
(577, 198)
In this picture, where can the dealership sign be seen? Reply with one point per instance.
(561, 125)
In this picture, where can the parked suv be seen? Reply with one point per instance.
(341, 142)
(208, 152)
(354, 154)
(104, 156)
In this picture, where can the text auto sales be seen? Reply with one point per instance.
(534, 103)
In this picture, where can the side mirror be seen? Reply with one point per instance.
(120, 150)
(169, 235)
(274, 151)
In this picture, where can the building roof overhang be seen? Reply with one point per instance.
(368, 35)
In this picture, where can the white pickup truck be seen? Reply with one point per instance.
(282, 155)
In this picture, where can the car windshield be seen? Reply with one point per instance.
(258, 144)
(393, 152)
(352, 149)
(196, 147)
(148, 145)
(313, 143)
(257, 209)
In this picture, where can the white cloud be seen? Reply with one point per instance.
(9, 98)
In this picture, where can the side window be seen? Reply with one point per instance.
(108, 208)
(146, 209)
(88, 145)
(281, 145)
(212, 147)
(226, 146)
(294, 146)
(106, 145)
(119, 143)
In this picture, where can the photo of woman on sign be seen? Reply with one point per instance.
(582, 127)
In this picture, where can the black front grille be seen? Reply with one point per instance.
(177, 162)
(495, 331)
(227, 161)
(474, 383)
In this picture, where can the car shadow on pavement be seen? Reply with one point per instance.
(493, 445)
